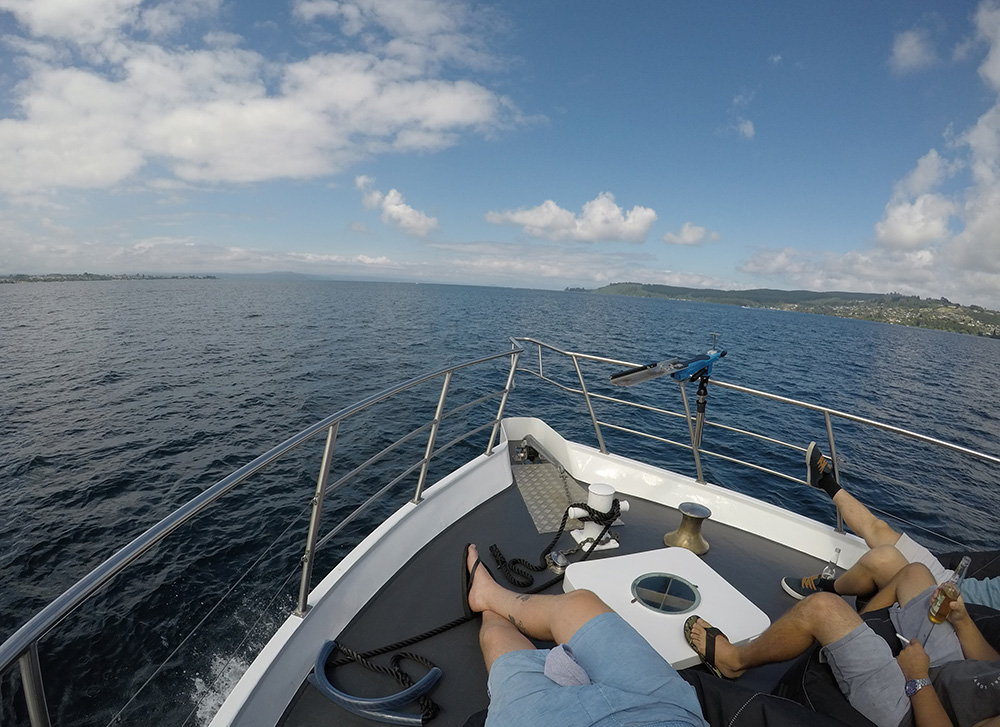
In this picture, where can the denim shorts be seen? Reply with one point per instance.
(631, 684)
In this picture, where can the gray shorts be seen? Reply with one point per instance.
(914, 552)
(866, 671)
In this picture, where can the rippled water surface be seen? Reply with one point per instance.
(119, 401)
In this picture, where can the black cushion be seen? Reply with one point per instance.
(985, 564)
(730, 704)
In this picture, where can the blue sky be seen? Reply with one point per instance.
(847, 146)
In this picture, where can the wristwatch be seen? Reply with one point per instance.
(915, 685)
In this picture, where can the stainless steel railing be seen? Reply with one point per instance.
(699, 421)
(22, 646)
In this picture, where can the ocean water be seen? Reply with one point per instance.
(121, 400)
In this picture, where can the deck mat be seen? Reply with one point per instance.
(547, 492)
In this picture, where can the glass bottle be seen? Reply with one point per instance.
(947, 593)
(830, 569)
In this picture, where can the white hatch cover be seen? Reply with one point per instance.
(614, 579)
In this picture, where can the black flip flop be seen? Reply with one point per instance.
(708, 658)
(467, 578)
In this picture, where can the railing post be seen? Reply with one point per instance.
(590, 407)
(417, 496)
(503, 400)
(833, 463)
(34, 692)
(694, 444)
(314, 519)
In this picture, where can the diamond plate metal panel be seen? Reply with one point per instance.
(547, 494)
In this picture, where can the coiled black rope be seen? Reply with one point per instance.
(518, 571)
(428, 709)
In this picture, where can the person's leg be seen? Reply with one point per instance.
(824, 617)
(498, 636)
(819, 474)
(509, 617)
(871, 573)
(909, 582)
(874, 531)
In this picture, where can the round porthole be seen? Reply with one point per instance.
(665, 593)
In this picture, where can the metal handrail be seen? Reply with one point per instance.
(22, 644)
(745, 390)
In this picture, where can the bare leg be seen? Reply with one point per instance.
(860, 519)
(822, 617)
(547, 618)
(871, 573)
(498, 636)
(909, 582)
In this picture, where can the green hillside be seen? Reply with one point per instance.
(908, 310)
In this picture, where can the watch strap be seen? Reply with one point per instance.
(915, 685)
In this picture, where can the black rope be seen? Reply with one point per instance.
(405, 642)
(428, 709)
(518, 571)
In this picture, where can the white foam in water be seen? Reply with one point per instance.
(224, 673)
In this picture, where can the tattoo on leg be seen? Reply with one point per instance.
(517, 624)
(524, 597)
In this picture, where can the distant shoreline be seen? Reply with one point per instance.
(907, 310)
(77, 277)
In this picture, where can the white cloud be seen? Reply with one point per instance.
(690, 234)
(988, 29)
(774, 59)
(421, 31)
(916, 217)
(222, 113)
(745, 128)
(169, 16)
(561, 265)
(394, 210)
(911, 225)
(911, 51)
(744, 98)
(78, 21)
(401, 17)
(930, 171)
(178, 254)
(600, 220)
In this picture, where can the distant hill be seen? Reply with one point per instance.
(909, 310)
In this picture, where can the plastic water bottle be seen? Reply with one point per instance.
(830, 569)
(948, 592)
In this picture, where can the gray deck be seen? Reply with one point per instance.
(427, 592)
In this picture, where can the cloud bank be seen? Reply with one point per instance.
(110, 89)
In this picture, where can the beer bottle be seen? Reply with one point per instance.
(947, 593)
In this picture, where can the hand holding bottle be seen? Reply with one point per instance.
(958, 611)
(948, 593)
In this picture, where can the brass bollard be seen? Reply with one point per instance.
(688, 533)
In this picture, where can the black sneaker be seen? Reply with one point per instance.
(816, 466)
(799, 588)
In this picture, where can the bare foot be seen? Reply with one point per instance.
(725, 653)
(482, 583)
